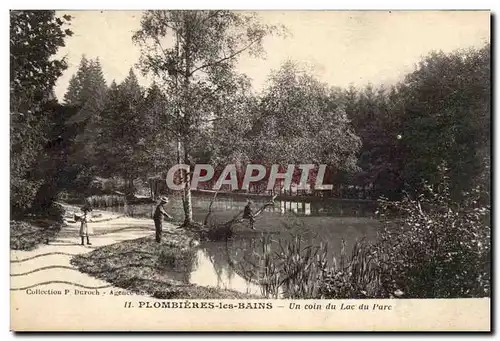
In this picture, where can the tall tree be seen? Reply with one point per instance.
(121, 142)
(440, 112)
(87, 91)
(193, 55)
(447, 111)
(303, 121)
(159, 136)
(72, 95)
(35, 37)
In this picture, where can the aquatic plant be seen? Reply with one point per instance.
(106, 200)
(351, 276)
(288, 267)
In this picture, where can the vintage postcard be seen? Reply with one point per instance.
(217, 170)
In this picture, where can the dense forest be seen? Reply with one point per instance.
(421, 146)
(384, 139)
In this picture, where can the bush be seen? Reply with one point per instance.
(24, 236)
(27, 235)
(23, 194)
(440, 249)
(430, 247)
(110, 186)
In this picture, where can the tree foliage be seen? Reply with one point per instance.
(193, 55)
(439, 112)
(123, 131)
(87, 91)
(440, 248)
(35, 37)
(302, 120)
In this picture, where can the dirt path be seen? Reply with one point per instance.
(49, 266)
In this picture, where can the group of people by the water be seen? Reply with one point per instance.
(158, 216)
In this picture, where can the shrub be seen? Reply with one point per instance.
(110, 186)
(441, 248)
(24, 236)
(27, 235)
(23, 193)
(430, 247)
(54, 212)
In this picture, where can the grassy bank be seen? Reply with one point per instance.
(160, 270)
(28, 234)
(31, 229)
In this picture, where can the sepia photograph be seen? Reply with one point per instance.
(312, 170)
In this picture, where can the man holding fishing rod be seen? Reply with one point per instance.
(158, 215)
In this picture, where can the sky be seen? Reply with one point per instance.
(341, 48)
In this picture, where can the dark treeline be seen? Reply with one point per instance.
(375, 140)
(438, 113)
(423, 144)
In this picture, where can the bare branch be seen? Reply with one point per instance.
(210, 16)
(235, 219)
(225, 58)
(210, 208)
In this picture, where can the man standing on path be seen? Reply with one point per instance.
(158, 217)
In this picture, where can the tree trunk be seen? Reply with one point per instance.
(129, 187)
(186, 192)
(188, 207)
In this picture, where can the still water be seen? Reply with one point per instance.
(230, 264)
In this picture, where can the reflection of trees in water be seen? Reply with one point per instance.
(218, 257)
(243, 258)
(221, 205)
(284, 265)
(301, 208)
(178, 264)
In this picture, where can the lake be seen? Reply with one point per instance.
(230, 264)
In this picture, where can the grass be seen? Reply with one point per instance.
(142, 265)
(27, 235)
(285, 268)
(293, 268)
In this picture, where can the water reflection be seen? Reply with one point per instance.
(214, 270)
(301, 208)
(298, 208)
(234, 265)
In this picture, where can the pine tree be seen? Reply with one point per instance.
(121, 142)
(72, 96)
(74, 93)
(87, 89)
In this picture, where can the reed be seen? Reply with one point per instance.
(352, 276)
(106, 200)
(291, 268)
(286, 268)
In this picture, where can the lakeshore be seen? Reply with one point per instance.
(63, 264)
